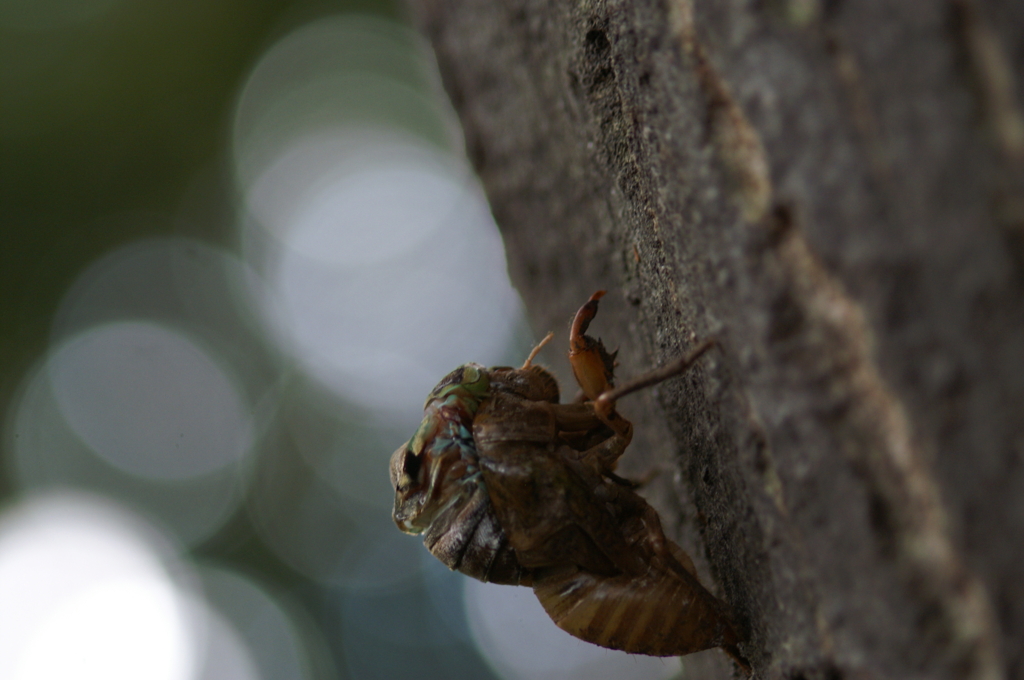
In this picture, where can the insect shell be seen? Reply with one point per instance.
(509, 486)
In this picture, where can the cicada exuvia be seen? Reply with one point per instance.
(509, 486)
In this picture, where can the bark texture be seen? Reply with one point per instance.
(833, 189)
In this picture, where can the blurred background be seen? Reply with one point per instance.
(240, 245)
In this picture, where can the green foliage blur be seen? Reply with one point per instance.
(118, 111)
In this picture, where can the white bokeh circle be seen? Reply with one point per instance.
(384, 267)
(150, 401)
(84, 593)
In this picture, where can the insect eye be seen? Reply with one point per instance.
(411, 465)
(470, 375)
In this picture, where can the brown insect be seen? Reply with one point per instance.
(509, 486)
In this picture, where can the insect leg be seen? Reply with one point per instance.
(591, 363)
(604, 404)
(575, 417)
(594, 366)
(585, 431)
(605, 455)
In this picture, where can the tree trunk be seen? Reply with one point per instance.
(834, 191)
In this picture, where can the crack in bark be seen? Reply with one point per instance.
(881, 443)
(993, 76)
(738, 144)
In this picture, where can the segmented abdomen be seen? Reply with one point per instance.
(466, 536)
(661, 614)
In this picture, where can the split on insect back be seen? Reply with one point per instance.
(509, 486)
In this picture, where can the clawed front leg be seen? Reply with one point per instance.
(594, 366)
(591, 363)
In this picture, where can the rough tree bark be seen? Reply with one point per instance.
(834, 191)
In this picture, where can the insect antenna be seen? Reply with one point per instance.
(536, 350)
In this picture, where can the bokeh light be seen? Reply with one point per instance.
(201, 291)
(43, 452)
(384, 269)
(150, 401)
(227, 656)
(264, 632)
(340, 71)
(196, 460)
(156, 387)
(85, 593)
(432, 295)
(342, 445)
